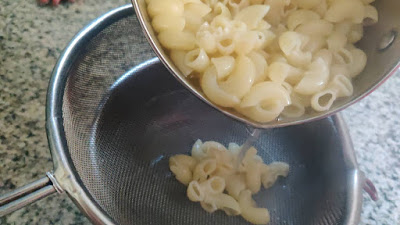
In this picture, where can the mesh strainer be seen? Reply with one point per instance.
(115, 115)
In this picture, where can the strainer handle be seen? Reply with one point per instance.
(27, 194)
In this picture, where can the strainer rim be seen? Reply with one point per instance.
(65, 172)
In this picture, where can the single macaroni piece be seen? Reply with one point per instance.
(250, 212)
(216, 179)
(300, 51)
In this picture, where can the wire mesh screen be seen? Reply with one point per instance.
(123, 122)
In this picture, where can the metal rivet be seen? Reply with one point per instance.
(387, 40)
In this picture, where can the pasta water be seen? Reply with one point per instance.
(254, 134)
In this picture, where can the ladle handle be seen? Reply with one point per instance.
(27, 194)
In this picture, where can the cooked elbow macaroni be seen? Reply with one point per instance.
(215, 179)
(270, 51)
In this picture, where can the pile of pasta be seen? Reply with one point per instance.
(217, 180)
(266, 58)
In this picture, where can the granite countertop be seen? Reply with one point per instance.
(31, 40)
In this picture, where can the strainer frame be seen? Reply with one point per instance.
(66, 179)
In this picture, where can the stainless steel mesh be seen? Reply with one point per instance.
(122, 124)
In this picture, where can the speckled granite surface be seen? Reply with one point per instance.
(32, 38)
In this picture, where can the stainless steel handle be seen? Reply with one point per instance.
(28, 194)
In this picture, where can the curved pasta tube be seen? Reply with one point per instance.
(265, 38)
(224, 66)
(163, 22)
(245, 42)
(256, 2)
(214, 185)
(292, 7)
(225, 168)
(260, 64)
(341, 10)
(291, 44)
(322, 101)
(221, 155)
(274, 47)
(253, 177)
(247, 159)
(315, 79)
(235, 184)
(171, 7)
(183, 160)
(214, 149)
(314, 44)
(192, 22)
(221, 10)
(238, 26)
(241, 79)
(209, 207)
(237, 5)
(277, 10)
(204, 169)
(321, 8)
(353, 61)
(343, 56)
(281, 71)
(263, 92)
(315, 28)
(224, 202)
(336, 41)
(194, 192)
(252, 15)
(299, 17)
(206, 40)
(182, 166)
(182, 173)
(197, 8)
(308, 4)
(234, 148)
(339, 69)
(305, 100)
(225, 45)
(194, 13)
(325, 55)
(342, 85)
(277, 57)
(294, 110)
(273, 171)
(359, 62)
(197, 60)
(177, 40)
(262, 26)
(214, 92)
(178, 57)
(264, 102)
(221, 24)
(263, 113)
(371, 15)
(249, 212)
(343, 27)
(197, 150)
(356, 33)
(288, 87)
